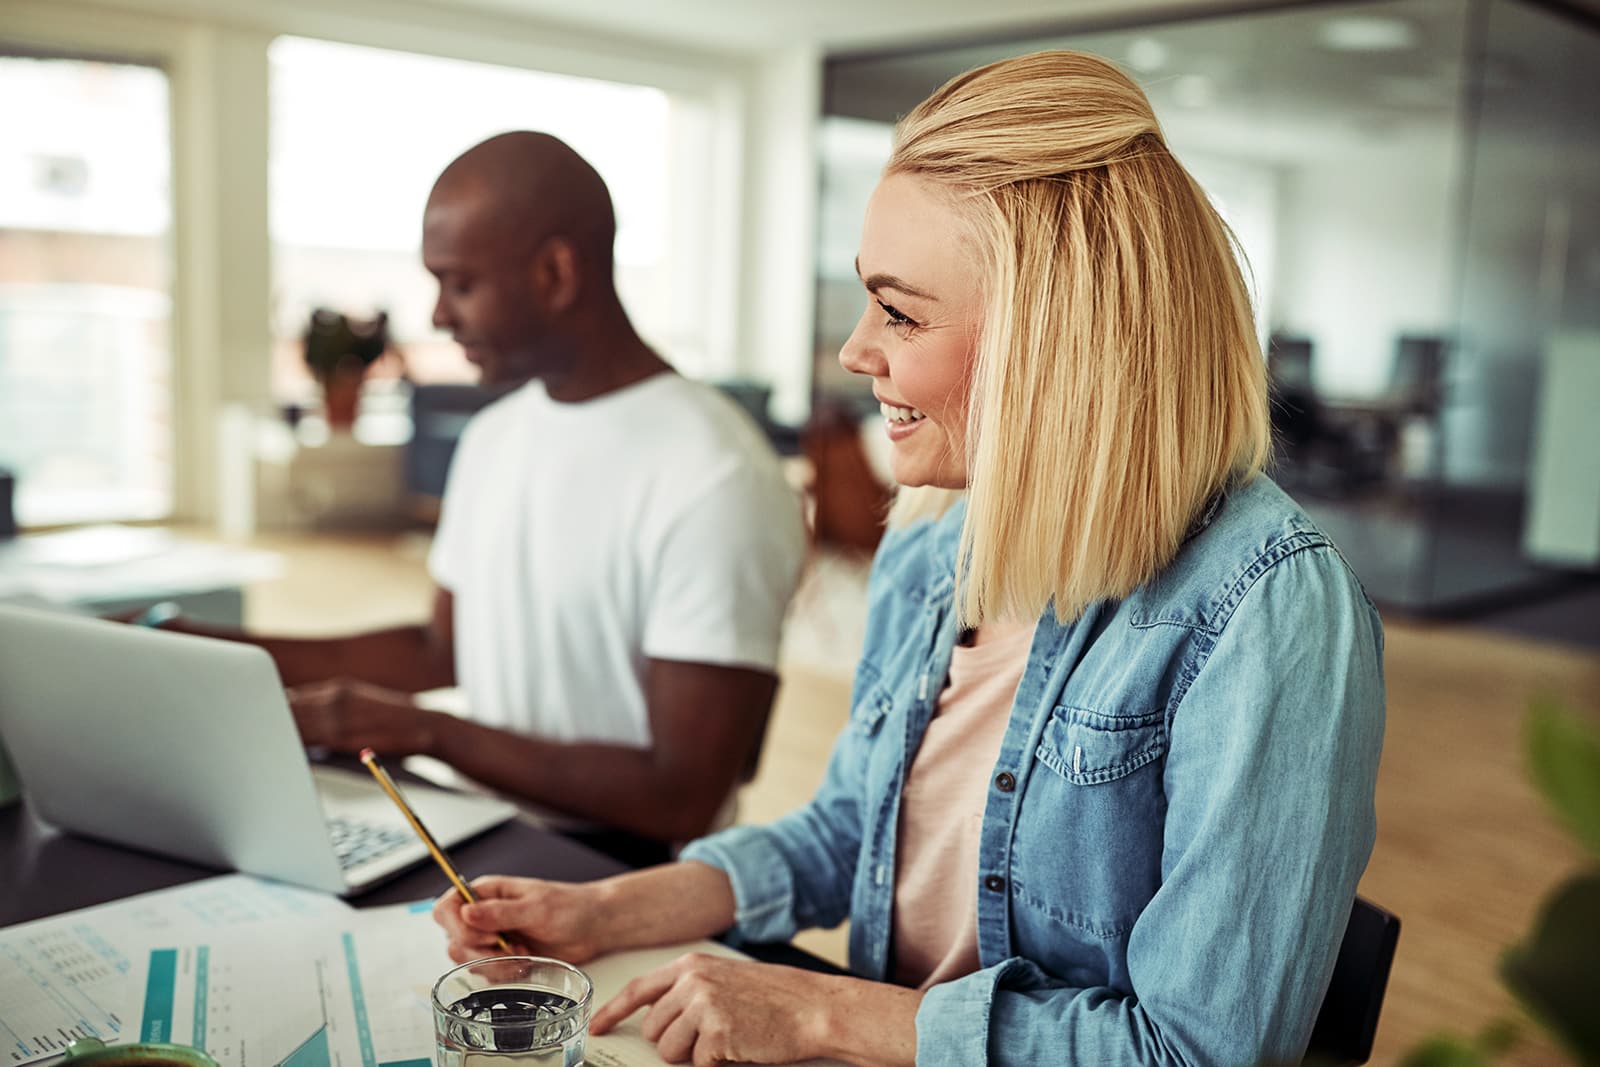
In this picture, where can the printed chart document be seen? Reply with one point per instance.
(64, 977)
(346, 991)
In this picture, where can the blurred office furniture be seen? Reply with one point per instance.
(439, 413)
(112, 569)
(8, 514)
(1348, 1018)
(847, 499)
(1324, 447)
(10, 785)
(1294, 398)
(1416, 378)
(755, 398)
(314, 479)
(1414, 402)
(1338, 446)
(1563, 518)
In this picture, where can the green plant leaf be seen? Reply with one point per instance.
(1564, 760)
(1445, 1050)
(1556, 973)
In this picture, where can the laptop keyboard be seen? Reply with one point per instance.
(355, 841)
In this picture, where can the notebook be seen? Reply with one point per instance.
(186, 746)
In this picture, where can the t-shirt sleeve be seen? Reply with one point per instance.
(724, 570)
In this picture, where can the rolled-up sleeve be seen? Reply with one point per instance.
(798, 872)
(1270, 822)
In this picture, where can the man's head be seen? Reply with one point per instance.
(518, 231)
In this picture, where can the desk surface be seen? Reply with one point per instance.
(45, 872)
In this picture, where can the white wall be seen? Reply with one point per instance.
(778, 238)
(1365, 253)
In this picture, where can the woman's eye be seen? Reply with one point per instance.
(896, 318)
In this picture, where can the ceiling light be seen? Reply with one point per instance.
(1194, 90)
(1367, 33)
(1147, 55)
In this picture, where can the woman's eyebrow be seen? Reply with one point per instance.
(889, 281)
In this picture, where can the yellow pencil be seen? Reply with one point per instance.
(370, 758)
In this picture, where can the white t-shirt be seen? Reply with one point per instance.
(580, 540)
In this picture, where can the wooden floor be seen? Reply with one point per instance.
(1465, 851)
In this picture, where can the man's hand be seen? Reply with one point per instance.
(346, 716)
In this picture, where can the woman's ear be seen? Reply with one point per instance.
(557, 275)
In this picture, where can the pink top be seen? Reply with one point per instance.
(941, 809)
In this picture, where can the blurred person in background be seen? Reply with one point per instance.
(1106, 790)
(616, 549)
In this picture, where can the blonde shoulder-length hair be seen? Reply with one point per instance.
(1118, 383)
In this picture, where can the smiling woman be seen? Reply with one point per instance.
(1106, 788)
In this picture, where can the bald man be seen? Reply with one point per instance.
(616, 547)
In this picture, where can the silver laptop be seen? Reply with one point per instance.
(186, 746)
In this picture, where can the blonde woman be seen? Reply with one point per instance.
(1107, 785)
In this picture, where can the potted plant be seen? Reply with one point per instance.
(338, 351)
(1555, 971)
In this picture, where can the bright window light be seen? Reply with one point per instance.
(85, 307)
(358, 137)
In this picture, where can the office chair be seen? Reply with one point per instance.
(848, 502)
(1416, 379)
(1348, 1019)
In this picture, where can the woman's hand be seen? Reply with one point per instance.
(665, 905)
(538, 918)
(711, 1010)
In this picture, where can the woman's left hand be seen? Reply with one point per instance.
(712, 1010)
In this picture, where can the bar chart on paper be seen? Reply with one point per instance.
(64, 978)
(311, 995)
(68, 979)
(240, 1013)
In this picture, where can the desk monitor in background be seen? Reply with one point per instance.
(186, 746)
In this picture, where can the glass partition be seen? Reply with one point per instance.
(1406, 179)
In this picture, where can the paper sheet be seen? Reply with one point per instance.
(64, 977)
(351, 991)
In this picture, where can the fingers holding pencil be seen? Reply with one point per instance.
(370, 758)
(544, 918)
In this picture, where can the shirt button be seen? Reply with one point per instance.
(994, 883)
(1004, 782)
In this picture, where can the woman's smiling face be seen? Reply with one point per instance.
(918, 336)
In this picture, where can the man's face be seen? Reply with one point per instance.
(487, 298)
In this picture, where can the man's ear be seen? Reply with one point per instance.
(557, 275)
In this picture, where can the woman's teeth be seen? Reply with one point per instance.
(894, 414)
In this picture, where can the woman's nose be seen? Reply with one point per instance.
(860, 355)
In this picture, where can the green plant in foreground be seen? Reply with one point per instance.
(1555, 971)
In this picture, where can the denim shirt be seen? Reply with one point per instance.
(1174, 829)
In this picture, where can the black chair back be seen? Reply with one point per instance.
(438, 415)
(1349, 1017)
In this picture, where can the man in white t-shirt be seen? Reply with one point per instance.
(617, 544)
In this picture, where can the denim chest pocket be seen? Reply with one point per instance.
(1088, 748)
(1087, 852)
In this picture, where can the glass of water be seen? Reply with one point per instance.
(512, 1011)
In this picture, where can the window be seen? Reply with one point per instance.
(358, 137)
(85, 305)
